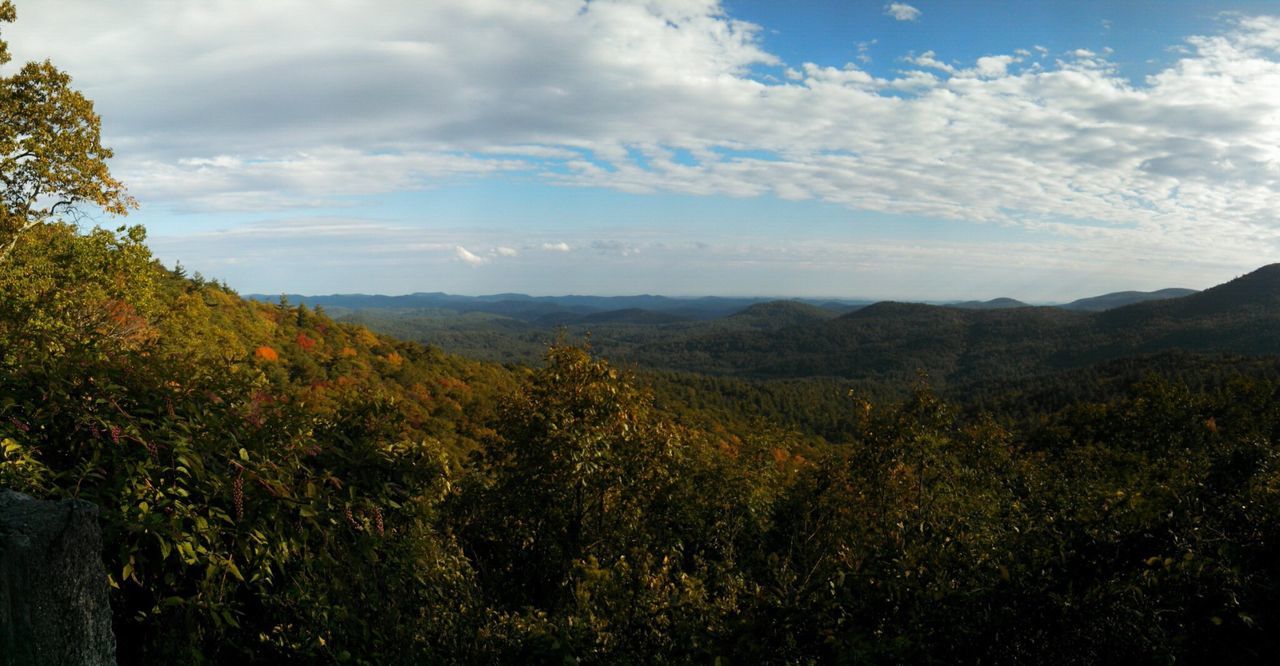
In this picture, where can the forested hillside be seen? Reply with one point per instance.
(277, 486)
(700, 335)
(888, 343)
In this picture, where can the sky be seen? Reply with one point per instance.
(932, 150)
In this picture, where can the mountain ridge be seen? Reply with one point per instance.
(1118, 299)
(891, 341)
(697, 307)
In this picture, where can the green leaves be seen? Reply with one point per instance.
(314, 505)
(51, 156)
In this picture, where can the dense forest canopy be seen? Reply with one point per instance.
(280, 487)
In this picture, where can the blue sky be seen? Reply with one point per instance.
(922, 150)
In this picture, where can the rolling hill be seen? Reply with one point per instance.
(891, 342)
(781, 314)
(993, 304)
(1123, 298)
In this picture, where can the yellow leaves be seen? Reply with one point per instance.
(366, 338)
(394, 359)
(7, 15)
(347, 352)
(51, 155)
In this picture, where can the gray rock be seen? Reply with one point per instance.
(53, 587)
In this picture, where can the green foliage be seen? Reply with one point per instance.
(602, 531)
(51, 155)
(277, 486)
(232, 485)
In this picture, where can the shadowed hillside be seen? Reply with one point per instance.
(890, 342)
(781, 314)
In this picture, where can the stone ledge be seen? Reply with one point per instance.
(54, 607)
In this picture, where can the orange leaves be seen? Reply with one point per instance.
(453, 385)
(366, 338)
(121, 321)
(394, 359)
(347, 352)
(266, 353)
(305, 342)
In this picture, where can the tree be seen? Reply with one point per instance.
(51, 156)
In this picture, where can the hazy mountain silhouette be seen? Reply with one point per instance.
(1123, 298)
(993, 304)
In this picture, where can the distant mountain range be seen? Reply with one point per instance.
(552, 310)
(563, 310)
(894, 341)
(1123, 298)
(1092, 304)
(885, 341)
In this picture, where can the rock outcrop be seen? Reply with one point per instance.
(53, 587)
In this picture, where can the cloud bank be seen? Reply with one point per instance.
(240, 105)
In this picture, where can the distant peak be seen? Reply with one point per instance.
(1001, 303)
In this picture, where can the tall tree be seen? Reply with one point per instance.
(51, 155)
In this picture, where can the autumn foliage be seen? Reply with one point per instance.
(279, 487)
(266, 502)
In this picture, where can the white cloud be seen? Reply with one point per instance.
(237, 105)
(863, 47)
(469, 258)
(929, 59)
(993, 66)
(505, 251)
(313, 177)
(615, 247)
(902, 11)
(556, 247)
